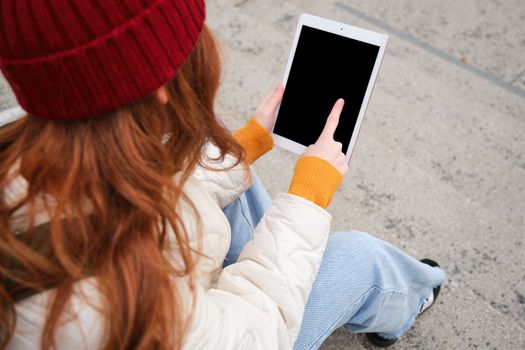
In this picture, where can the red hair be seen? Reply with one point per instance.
(118, 164)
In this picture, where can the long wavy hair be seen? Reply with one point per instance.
(111, 186)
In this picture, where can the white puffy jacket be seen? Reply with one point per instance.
(256, 303)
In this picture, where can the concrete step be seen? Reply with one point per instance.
(423, 177)
(487, 36)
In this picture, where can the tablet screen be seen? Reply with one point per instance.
(325, 67)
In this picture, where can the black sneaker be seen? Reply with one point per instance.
(381, 342)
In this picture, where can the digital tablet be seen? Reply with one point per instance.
(328, 60)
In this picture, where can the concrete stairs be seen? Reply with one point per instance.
(439, 168)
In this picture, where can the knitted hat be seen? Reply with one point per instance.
(78, 58)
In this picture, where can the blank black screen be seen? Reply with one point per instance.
(325, 67)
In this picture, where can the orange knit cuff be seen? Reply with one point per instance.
(316, 180)
(255, 140)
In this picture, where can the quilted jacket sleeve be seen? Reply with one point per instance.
(260, 300)
(224, 186)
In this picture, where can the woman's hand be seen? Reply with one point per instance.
(255, 137)
(266, 113)
(326, 147)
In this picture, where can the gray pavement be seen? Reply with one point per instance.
(439, 167)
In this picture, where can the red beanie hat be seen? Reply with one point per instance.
(78, 58)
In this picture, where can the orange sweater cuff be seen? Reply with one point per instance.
(255, 140)
(316, 180)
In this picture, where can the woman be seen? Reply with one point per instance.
(112, 232)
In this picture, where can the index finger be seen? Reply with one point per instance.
(333, 119)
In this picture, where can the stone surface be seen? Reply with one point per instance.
(488, 34)
(439, 166)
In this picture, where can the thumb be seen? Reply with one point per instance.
(274, 99)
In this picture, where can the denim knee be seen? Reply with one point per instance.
(360, 239)
(355, 243)
(368, 257)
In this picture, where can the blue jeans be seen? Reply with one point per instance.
(363, 284)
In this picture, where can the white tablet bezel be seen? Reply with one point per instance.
(348, 31)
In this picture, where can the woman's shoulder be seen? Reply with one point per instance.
(222, 177)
